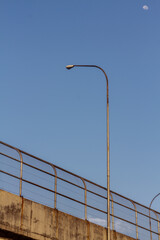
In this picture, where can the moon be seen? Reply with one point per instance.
(145, 7)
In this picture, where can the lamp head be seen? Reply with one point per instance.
(69, 66)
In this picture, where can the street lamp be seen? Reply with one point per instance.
(108, 161)
(150, 216)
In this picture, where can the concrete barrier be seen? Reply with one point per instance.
(24, 219)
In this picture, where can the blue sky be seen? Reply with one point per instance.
(60, 115)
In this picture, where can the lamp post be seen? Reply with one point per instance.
(150, 216)
(108, 161)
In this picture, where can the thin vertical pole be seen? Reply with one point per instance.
(85, 197)
(108, 164)
(150, 215)
(157, 223)
(112, 212)
(136, 218)
(55, 186)
(21, 172)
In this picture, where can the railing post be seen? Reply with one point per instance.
(150, 224)
(21, 172)
(21, 166)
(158, 224)
(55, 186)
(150, 215)
(135, 218)
(112, 212)
(85, 197)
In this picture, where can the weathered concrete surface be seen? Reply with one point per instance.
(23, 219)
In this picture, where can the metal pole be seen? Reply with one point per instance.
(108, 160)
(55, 186)
(150, 214)
(20, 191)
(112, 212)
(85, 197)
(157, 222)
(135, 208)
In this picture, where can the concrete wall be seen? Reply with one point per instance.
(23, 219)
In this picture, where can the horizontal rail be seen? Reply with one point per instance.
(60, 194)
(65, 196)
(101, 196)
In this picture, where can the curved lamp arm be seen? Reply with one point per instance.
(108, 160)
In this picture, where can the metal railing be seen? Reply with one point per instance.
(33, 178)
